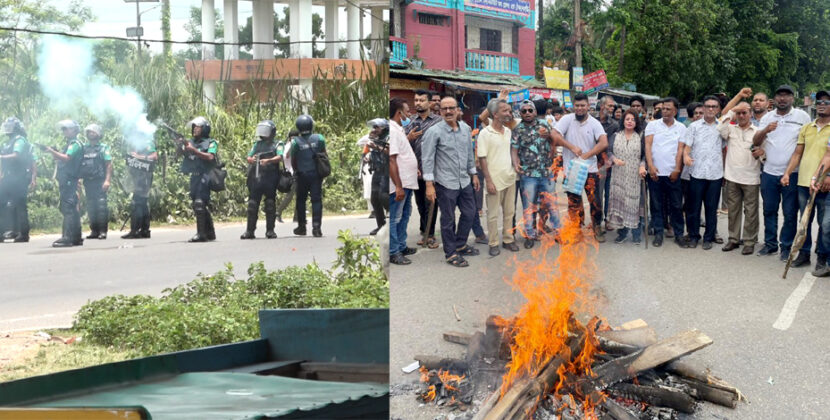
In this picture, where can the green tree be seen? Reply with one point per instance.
(281, 31)
(811, 20)
(194, 28)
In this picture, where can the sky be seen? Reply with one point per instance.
(114, 16)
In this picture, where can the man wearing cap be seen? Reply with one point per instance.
(69, 167)
(778, 135)
(819, 128)
(96, 171)
(809, 153)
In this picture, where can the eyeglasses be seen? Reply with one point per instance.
(449, 108)
(526, 111)
(711, 106)
(823, 102)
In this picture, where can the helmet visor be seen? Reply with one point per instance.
(264, 130)
(9, 127)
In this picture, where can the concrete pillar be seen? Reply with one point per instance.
(378, 45)
(332, 28)
(263, 30)
(293, 27)
(231, 16)
(299, 28)
(353, 31)
(208, 29)
(209, 88)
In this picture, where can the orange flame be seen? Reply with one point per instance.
(554, 288)
(430, 395)
(447, 378)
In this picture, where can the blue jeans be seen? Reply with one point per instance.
(399, 213)
(824, 222)
(665, 189)
(821, 197)
(538, 193)
(775, 195)
(478, 230)
(703, 193)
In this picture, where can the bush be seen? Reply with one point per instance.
(220, 308)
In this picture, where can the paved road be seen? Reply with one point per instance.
(734, 299)
(43, 286)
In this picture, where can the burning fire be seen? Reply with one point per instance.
(555, 288)
(448, 381)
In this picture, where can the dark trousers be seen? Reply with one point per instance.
(380, 196)
(455, 237)
(423, 209)
(309, 183)
(199, 188)
(606, 193)
(69, 209)
(659, 190)
(96, 205)
(818, 207)
(14, 209)
(577, 209)
(703, 193)
(775, 195)
(286, 199)
(140, 215)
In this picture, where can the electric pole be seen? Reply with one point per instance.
(578, 33)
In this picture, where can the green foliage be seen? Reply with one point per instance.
(220, 308)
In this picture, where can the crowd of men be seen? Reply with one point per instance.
(640, 166)
(296, 167)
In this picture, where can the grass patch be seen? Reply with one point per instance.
(55, 357)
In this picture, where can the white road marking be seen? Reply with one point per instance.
(787, 315)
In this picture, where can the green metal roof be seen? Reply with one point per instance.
(466, 76)
(219, 395)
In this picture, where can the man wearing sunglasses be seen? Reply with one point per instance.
(809, 153)
(449, 166)
(819, 128)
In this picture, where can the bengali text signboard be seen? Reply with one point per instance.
(514, 7)
(557, 79)
(595, 81)
(578, 79)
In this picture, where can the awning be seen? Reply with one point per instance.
(481, 87)
(628, 93)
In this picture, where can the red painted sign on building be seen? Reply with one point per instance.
(595, 81)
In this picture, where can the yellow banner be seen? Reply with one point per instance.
(557, 79)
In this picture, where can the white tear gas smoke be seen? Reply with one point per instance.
(67, 78)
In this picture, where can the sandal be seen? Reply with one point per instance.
(431, 243)
(468, 251)
(399, 259)
(457, 261)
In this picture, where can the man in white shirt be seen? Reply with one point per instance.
(403, 174)
(663, 156)
(742, 172)
(582, 137)
(499, 176)
(703, 154)
(778, 134)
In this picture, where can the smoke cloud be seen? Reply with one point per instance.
(66, 75)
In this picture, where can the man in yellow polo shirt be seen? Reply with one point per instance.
(819, 131)
(499, 175)
(810, 149)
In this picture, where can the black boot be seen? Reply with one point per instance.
(253, 215)
(270, 218)
(134, 223)
(316, 231)
(62, 243)
(300, 230)
(201, 221)
(210, 231)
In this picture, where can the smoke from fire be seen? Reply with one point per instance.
(68, 78)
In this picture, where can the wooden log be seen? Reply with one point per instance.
(457, 337)
(637, 323)
(613, 347)
(488, 405)
(663, 397)
(694, 370)
(709, 393)
(617, 411)
(654, 355)
(438, 362)
(639, 337)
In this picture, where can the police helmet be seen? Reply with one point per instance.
(201, 122)
(266, 129)
(69, 124)
(12, 125)
(381, 123)
(304, 124)
(95, 128)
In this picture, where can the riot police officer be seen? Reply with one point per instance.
(200, 157)
(68, 171)
(303, 149)
(18, 174)
(140, 164)
(263, 162)
(96, 171)
(379, 168)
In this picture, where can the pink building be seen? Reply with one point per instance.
(486, 36)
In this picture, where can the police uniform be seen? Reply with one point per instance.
(308, 181)
(263, 182)
(67, 175)
(198, 170)
(14, 186)
(141, 174)
(96, 160)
